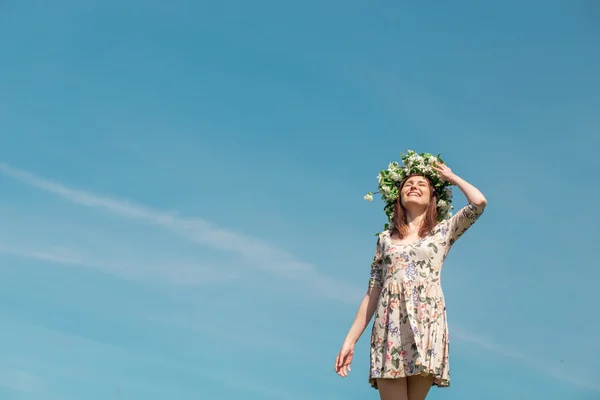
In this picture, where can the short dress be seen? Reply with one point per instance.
(410, 331)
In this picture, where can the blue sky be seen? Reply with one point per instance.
(182, 212)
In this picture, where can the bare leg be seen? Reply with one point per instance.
(418, 386)
(392, 389)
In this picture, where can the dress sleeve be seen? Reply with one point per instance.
(376, 277)
(462, 220)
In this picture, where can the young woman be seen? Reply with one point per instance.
(409, 340)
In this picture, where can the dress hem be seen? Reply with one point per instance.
(437, 381)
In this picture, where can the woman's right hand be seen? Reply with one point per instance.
(344, 359)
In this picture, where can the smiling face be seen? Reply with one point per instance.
(415, 191)
(418, 197)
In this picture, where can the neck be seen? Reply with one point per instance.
(414, 218)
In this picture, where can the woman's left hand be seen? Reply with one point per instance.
(472, 194)
(445, 172)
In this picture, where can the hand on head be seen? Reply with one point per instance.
(444, 171)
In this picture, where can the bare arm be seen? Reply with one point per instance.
(363, 316)
(467, 216)
(473, 195)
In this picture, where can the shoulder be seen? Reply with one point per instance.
(385, 234)
(383, 237)
(441, 229)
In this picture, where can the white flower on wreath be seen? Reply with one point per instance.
(448, 193)
(395, 176)
(413, 163)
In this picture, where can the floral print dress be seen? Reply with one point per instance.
(410, 331)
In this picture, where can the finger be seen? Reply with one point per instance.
(340, 360)
(340, 365)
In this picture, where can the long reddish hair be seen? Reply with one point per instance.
(400, 225)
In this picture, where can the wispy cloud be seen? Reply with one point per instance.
(256, 252)
(19, 379)
(260, 255)
(176, 273)
(22, 372)
(548, 368)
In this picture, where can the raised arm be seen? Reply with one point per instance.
(466, 216)
(473, 195)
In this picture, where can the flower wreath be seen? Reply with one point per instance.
(413, 163)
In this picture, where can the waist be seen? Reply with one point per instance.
(414, 288)
(423, 282)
